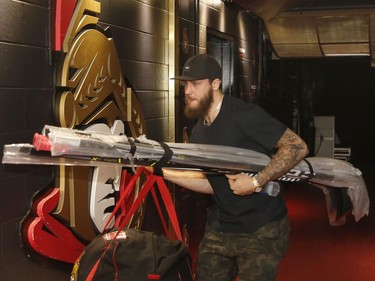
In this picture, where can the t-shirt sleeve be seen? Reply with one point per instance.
(263, 128)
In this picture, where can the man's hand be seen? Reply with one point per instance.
(241, 184)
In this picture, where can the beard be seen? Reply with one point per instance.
(202, 108)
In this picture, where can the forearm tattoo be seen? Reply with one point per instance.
(291, 150)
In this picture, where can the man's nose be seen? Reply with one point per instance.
(187, 88)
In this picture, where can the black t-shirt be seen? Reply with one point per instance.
(243, 125)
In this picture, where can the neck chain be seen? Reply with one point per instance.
(213, 115)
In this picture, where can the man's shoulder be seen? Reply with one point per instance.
(235, 103)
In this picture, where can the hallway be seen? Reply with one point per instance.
(322, 252)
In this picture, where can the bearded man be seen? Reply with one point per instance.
(247, 231)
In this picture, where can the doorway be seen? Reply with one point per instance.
(221, 47)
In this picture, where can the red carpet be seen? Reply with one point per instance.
(319, 251)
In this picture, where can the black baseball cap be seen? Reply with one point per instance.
(200, 67)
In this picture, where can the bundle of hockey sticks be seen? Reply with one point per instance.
(62, 146)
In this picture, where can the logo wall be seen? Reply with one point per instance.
(91, 94)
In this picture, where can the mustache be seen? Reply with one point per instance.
(187, 99)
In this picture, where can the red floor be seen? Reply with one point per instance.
(319, 251)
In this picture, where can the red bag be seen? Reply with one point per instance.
(132, 254)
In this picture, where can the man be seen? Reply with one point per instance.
(247, 231)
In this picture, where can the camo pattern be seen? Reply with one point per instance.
(250, 256)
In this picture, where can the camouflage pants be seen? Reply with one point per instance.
(248, 256)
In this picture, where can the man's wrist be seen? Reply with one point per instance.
(258, 187)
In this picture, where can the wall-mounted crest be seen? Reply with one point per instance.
(91, 94)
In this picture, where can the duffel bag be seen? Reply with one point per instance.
(133, 255)
(123, 254)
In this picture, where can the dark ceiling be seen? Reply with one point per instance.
(333, 4)
(317, 28)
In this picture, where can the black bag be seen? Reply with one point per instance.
(136, 255)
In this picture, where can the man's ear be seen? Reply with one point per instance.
(216, 84)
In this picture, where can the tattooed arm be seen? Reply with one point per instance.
(291, 149)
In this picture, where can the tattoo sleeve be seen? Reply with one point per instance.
(291, 149)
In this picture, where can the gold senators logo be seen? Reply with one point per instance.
(91, 94)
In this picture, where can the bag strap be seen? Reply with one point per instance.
(125, 177)
(151, 179)
(169, 205)
(158, 209)
(129, 187)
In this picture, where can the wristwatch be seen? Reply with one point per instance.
(258, 188)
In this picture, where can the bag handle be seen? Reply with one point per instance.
(169, 205)
(124, 195)
(151, 179)
(167, 199)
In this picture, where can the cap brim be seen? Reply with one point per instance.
(188, 78)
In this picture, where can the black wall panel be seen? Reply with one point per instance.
(157, 128)
(223, 20)
(26, 91)
(154, 103)
(12, 116)
(24, 66)
(24, 22)
(145, 75)
(139, 46)
(140, 33)
(136, 16)
(188, 10)
(187, 33)
(42, 3)
(27, 69)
